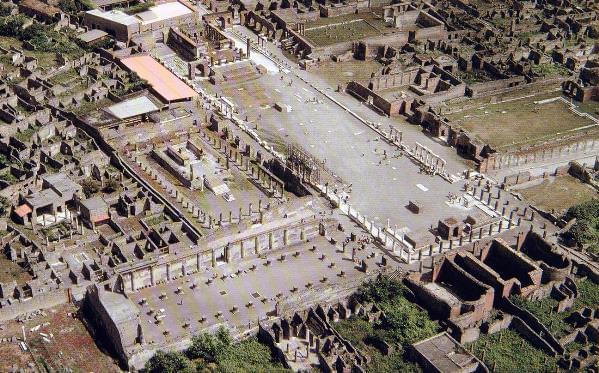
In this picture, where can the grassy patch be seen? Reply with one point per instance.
(585, 232)
(332, 30)
(544, 310)
(506, 351)
(588, 295)
(519, 122)
(64, 77)
(357, 330)
(558, 194)
(25, 135)
(155, 220)
(406, 323)
(550, 69)
(10, 271)
(9, 178)
(138, 8)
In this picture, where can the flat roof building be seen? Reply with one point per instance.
(164, 83)
(134, 107)
(443, 354)
(123, 26)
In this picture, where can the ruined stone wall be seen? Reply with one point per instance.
(494, 87)
(555, 149)
(338, 10)
(42, 301)
(383, 105)
(439, 97)
(486, 275)
(430, 302)
(387, 81)
(149, 273)
(123, 335)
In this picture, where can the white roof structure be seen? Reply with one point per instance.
(162, 12)
(116, 16)
(156, 13)
(133, 107)
(92, 35)
(216, 185)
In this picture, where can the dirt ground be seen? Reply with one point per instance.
(559, 193)
(67, 345)
(12, 271)
(519, 122)
(326, 31)
(342, 73)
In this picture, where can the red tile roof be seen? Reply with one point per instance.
(165, 83)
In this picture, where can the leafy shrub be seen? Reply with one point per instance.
(168, 362)
(585, 232)
(207, 346)
(380, 290)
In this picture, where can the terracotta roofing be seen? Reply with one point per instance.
(164, 83)
(23, 210)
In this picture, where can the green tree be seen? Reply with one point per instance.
(168, 362)
(111, 185)
(407, 323)
(11, 25)
(90, 187)
(5, 9)
(585, 232)
(74, 6)
(207, 346)
(68, 6)
(380, 290)
(4, 206)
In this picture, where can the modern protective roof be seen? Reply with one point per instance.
(133, 107)
(164, 83)
(92, 35)
(115, 16)
(162, 12)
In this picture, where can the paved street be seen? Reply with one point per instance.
(381, 184)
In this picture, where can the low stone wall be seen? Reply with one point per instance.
(38, 302)
(229, 249)
(531, 328)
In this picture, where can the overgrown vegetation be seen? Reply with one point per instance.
(168, 362)
(506, 351)
(9, 178)
(5, 9)
(585, 232)
(550, 69)
(75, 6)
(25, 135)
(588, 295)
(40, 37)
(216, 353)
(544, 311)
(4, 206)
(111, 186)
(90, 187)
(138, 8)
(405, 324)
(135, 83)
